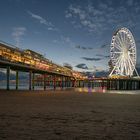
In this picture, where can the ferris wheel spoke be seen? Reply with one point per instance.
(127, 68)
(132, 53)
(125, 40)
(120, 62)
(130, 60)
(116, 60)
(121, 38)
(122, 66)
(118, 52)
(119, 41)
(117, 46)
(128, 42)
(130, 66)
(131, 48)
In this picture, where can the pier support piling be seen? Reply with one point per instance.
(44, 82)
(8, 78)
(62, 82)
(17, 80)
(33, 81)
(54, 82)
(30, 80)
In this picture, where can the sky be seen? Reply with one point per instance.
(77, 32)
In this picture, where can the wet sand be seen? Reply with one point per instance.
(68, 115)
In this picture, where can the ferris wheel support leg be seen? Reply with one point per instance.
(134, 67)
(112, 71)
(137, 73)
(115, 67)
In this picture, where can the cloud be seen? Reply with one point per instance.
(39, 18)
(103, 16)
(103, 5)
(68, 65)
(105, 46)
(42, 20)
(104, 56)
(88, 73)
(97, 71)
(17, 33)
(78, 12)
(107, 56)
(91, 59)
(85, 16)
(65, 41)
(67, 14)
(129, 2)
(102, 73)
(83, 48)
(82, 66)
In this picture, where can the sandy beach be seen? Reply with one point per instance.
(68, 115)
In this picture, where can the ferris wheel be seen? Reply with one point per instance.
(123, 53)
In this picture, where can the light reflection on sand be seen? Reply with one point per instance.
(124, 91)
(104, 90)
(91, 90)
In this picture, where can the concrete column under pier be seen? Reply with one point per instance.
(30, 80)
(54, 82)
(17, 80)
(44, 76)
(62, 82)
(33, 81)
(66, 82)
(8, 78)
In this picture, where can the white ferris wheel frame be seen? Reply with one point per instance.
(123, 53)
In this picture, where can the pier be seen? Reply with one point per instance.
(53, 75)
(34, 63)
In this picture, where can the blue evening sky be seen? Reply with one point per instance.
(77, 32)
